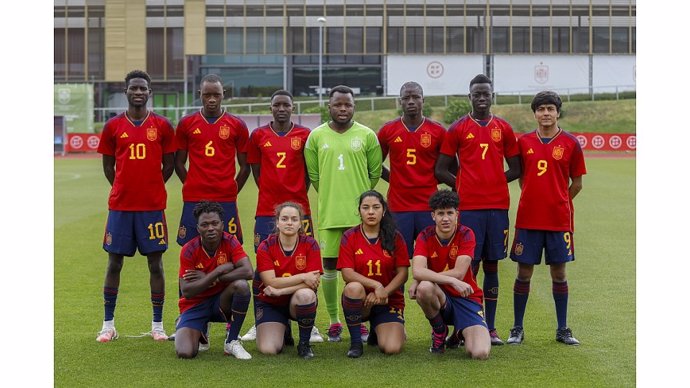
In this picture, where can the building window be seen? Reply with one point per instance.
(581, 40)
(254, 40)
(415, 39)
(155, 52)
(395, 40)
(475, 40)
(600, 38)
(455, 39)
(619, 40)
(274, 40)
(561, 39)
(500, 40)
(434, 40)
(373, 40)
(540, 39)
(214, 41)
(75, 54)
(520, 40)
(234, 40)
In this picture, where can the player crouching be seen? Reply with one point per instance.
(447, 290)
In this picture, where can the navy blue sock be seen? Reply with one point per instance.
(157, 301)
(437, 324)
(560, 297)
(305, 314)
(520, 295)
(240, 304)
(109, 302)
(352, 309)
(490, 292)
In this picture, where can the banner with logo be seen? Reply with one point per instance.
(75, 103)
(607, 141)
(82, 142)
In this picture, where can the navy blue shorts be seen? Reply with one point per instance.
(462, 313)
(265, 225)
(187, 229)
(198, 316)
(267, 312)
(528, 245)
(410, 224)
(383, 314)
(491, 229)
(127, 231)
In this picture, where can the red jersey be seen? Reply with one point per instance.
(138, 152)
(481, 181)
(306, 257)
(545, 202)
(372, 261)
(442, 257)
(283, 171)
(211, 148)
(193, 256)
(413, 156)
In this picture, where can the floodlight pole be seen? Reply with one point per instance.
(322, 21)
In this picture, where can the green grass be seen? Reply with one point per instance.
(601, 310)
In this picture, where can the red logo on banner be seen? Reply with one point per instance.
(93, 141)
(615, 142)
(76, 142)
(582, 140)
(632, 142)
(598, 141)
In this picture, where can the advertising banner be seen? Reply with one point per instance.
(75, 103)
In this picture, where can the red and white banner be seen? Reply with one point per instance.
(607, 141)
(82, 142)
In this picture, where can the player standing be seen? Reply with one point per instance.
(288, 271)
(413, 142)
(373, 260)
(553, 165)
(447, 291)
(214, 270)
(343, 160)
(211, 138)
(481, 142)
(276, 155)
(134, 145)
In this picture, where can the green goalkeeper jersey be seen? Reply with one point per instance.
(341, 167)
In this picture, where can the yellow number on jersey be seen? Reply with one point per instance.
(371, 265)
(137, 151)
(282, 156)
(542, 165)
(306, 226)
(411, 157)
(209, 150)
(485, 147)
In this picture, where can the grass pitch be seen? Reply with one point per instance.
(601, 308)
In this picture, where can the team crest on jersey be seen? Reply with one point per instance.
(222, 258)
(296, 143)
(152, 133)
(425, 141)
(518, 249)
(496, 134)
(224, 132)
(301, 262)
(182, 231)
(558, 152)
(108, 238)
(356, 144)
(453, 252)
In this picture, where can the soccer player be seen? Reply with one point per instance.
(211, 138)
(343, 160)
(288, 272)
(135, 144)
(552, 170)
(373, 260)
(481, 142)
(276, 155)
(447, 291)
(413, 142)
(214, 270)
